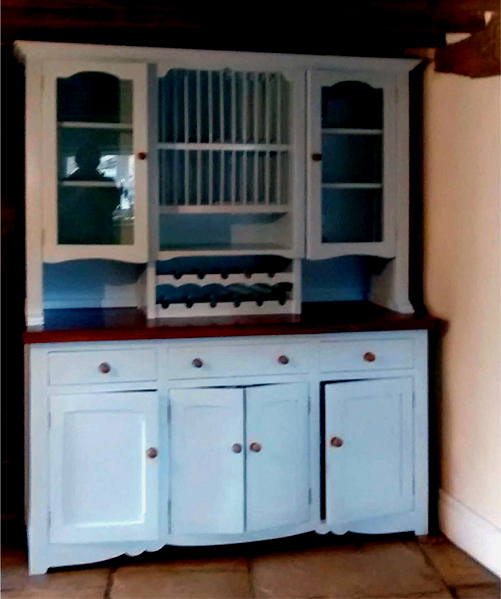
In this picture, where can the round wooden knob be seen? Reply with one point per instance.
(236, 448)
(336, 442)
(255, 447)
(283, 359)
(141, 155)
(369, 356)
(152, 452)
(316, 157)
(197, 363)
(104, 367)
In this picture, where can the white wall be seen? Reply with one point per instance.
(462, 285)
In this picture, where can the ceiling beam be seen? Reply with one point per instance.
(476, 56)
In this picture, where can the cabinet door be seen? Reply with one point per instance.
(103, 482)
(94, 161)
(207, 461)
(278, 455)
(369, 449)
(351, 164)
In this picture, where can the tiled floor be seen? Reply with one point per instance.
(309, 566)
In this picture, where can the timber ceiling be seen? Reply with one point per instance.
(355, 28)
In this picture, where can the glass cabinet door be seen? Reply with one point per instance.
(95, 143)
(351, 122)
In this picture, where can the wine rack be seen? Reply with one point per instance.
(226, 287)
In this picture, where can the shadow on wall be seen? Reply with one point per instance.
(12, 279)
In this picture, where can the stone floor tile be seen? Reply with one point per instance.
(85, 584)
(156, 581)
(192, 558)
(484, 591)
(455, 566)
(444, 594)
(392, 569)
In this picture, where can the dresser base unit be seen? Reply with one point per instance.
(134, 445)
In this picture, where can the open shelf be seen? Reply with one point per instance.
(352, 185)
(88, 184)
(348, 131)
(90, 125)
(229, 249)
(240, 147)
(226, 208)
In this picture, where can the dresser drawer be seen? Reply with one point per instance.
(102, 366)
(210, 361)
(366, 354)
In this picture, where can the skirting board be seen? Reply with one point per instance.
(471, 532)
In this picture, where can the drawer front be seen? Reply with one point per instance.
(221, 361)
(102, 366)
(366, 354)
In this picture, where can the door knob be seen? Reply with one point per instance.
(236, 448)
(283, 359)
(152, 452)
(316, 157)
(369, 356)
(141, 155)
(255, 447)
(197, 363)
(336, 442)
(104, 367)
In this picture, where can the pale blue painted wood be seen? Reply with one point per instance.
(207, 476)
(222, 360)
(44, 553)
(278, 487)
(371, 474)
(349, 354)
(103, 487)
(83, 367)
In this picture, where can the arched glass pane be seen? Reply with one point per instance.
(352, 104)
(95, 160)
(93, 97)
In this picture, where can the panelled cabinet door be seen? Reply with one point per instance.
(103, 478)
(351, 164)
(369, 440)
(95, 161)
(277, 455)
(207, 461)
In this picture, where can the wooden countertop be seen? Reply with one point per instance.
(122, 324)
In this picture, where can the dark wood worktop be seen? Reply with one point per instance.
(122, 324)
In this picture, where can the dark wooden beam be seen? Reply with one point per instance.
(476, 56)
(368, 27)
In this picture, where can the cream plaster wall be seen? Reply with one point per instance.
(462, 258)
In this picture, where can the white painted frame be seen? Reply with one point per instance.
(52, 250)
(316, 250)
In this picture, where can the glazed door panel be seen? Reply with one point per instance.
(103, 484)
(278, 488)
(351, 160)
(207, 461)
(95, 176)
(371, 473)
